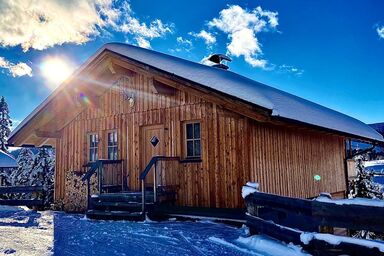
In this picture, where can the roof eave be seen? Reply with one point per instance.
(41, 106)
(329, 130)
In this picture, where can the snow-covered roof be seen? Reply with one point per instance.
(281, 104)
(378, 127)
(7, 161)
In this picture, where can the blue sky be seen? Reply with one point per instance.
(330, 52)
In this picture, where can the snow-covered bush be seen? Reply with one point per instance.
(42, 173)
(34, 170)
(5, 176)
(25, 161)
(363, 185)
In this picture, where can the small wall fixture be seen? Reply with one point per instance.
(129, 96)
(127, 93)
(131, 101)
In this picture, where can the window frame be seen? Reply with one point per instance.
(116, 146)
(93, 148)
(193, 139)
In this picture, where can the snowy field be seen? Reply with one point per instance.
(25, 232)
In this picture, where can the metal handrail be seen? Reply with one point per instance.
(146, 171)
(96, 166)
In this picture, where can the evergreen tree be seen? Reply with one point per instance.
(363, 186)
(42, 173)
(25, 161)
(5, 124)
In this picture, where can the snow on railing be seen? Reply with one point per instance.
(299, 220)
(307, 237)
(352, 201)
(249, 188)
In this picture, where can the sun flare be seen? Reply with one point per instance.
(56, 70)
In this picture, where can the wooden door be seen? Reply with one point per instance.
(152, 144)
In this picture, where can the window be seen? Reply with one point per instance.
(192, 140)
(93, 147)
(112, 145)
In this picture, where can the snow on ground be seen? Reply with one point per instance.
(336, 240)
(26, 232)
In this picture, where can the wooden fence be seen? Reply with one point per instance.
(33, 190)
(289, 219)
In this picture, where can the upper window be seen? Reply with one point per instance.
(192, 140)
(112, 145)
(93, 147)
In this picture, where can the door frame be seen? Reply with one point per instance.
(142, 142)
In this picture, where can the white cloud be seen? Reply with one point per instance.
(16, 70)
(143, 32)
(208, 37)
(183, 45)
(182, 41)
(242, 27)
(43, 24)
(272, 19)
(39, 25)
(290, 69)
(206, 61)
(380, 32)
(142, 42)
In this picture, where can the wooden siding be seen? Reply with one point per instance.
(235, 149)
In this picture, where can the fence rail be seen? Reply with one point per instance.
(287, 219)
(34, 190)
(20, 189)
(350, 216)
(314, 246)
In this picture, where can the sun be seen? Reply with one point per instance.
(55, 70)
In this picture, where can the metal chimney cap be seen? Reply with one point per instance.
(222, 66)
(218, 58)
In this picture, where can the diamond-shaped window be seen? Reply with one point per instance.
(154, 141)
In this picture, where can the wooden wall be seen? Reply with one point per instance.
(235, 149)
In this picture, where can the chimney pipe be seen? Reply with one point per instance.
(218, 59)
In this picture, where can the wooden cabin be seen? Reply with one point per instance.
(127, 104)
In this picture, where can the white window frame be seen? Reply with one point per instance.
(114, 147)
(93, 151)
